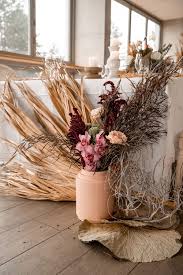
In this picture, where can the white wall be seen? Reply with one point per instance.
(171, 33)
(89, 31)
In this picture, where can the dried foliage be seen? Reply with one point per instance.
(45, 172)
(112, 103)
(77, 127)
(141, 120)
(179, 50)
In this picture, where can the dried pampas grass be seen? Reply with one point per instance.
(43, 173)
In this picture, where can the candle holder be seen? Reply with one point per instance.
(113, 62)
(90, 72)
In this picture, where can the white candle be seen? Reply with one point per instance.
(92, 61)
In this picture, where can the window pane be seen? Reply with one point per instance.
(52, 28)
(153, 35)
(14, 26)
(119, 27)
(138, 27)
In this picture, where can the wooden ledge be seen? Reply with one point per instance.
(17, 59)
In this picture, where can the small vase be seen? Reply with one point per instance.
(138, 63)
(94, 200)
(141, 63)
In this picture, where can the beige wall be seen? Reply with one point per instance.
(89, 31)
(171, 33)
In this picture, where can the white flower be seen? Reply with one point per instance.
(96, 113)
(156, 55)
(117, 137)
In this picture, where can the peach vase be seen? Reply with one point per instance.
(94, 200)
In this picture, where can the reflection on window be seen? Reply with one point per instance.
(138, 27)
(52, 28)
(153, 35)
(14, 26)
(119, 27)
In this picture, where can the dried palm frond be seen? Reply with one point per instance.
(45, 172)
(61, 87)
(32, 182)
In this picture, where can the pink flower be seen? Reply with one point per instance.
(100, 139)
(90, 158)
(117, 137)
(100, 145)
(89, 155)
(84, 141)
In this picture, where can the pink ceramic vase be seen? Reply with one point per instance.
(94, 200)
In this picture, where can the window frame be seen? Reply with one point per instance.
(31, 59)
(131, 7)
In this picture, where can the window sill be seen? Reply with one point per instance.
(20, 59)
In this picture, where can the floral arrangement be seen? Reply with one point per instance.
(118, 130)
(143, 48)
(91, 142)
(140, 48)
(142, 51)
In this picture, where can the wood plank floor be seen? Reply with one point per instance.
(40, 237)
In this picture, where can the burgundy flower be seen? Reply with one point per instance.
(77, 127)
(112, 104)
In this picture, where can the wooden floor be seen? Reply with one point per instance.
(38, 237)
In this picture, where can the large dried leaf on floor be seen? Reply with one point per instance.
(136, 244)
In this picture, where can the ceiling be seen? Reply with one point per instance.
(162, 9)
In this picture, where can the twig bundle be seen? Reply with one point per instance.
(141, 120)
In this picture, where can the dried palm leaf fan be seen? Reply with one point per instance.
(43, 175)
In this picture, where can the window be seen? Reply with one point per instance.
(138, 27)
(119, 21)
(119, 27)
(153, 34)
(132, 25)
(35, 28)
(14, 20)
(52, 28)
